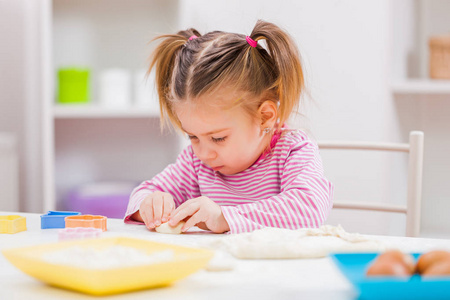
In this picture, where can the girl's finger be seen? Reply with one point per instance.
(143, 216)
(179, 208)
(183, 211)
(202, 225)
(149, 214)
(157, 209)
(193, 220)
(167, 207)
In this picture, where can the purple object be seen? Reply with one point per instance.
(108, 199)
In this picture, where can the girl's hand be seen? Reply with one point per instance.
(156, 208)
(200, 211)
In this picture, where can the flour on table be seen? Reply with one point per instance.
(111, 257)
(221, 261)
(273, 243)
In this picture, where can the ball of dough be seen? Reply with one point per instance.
(166, 228)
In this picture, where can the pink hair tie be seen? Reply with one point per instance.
(193, 37)
(251, 42)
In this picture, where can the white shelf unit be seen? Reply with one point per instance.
(96, 111)
(421, 86)
(92, 143)
(415, 21)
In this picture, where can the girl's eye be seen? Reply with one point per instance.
(192, 137)
(218, 140)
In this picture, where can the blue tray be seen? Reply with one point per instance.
(354, 267)
(55, 219)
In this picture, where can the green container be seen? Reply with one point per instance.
(73, 85)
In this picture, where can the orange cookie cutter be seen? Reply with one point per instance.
(12, 224)
(86, 221)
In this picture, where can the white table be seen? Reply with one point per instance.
(249, 279)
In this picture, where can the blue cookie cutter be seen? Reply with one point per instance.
(55, 219)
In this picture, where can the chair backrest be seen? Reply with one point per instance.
(414, 182)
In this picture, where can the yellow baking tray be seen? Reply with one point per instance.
(115, 280)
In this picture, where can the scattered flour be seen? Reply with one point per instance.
(111, 257)
(221, 261)
(276, 243)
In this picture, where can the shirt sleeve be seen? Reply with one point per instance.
(305, 197)
(178, 179)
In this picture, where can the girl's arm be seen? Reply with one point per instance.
(305, 199)
(178, 179)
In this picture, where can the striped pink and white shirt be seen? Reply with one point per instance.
(286, 188)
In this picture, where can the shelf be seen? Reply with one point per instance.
(95, 111)
(421, 86)
(434, 234)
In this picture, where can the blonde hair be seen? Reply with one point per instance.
(187, 69)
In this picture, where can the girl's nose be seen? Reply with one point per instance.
(206, 153)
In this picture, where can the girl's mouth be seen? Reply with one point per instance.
(217, 168)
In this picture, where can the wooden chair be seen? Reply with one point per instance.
(414, 182)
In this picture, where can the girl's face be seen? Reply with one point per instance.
(227, 140)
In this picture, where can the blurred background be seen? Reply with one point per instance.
(79, 125)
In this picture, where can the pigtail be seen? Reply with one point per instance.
(284, 53)
(165, 60)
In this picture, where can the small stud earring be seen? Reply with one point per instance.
(267, 129)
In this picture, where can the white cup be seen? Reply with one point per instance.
(115, 88)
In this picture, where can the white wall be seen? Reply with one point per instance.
(347, 47)
(9, 172)
(19, 95)
(11, 119)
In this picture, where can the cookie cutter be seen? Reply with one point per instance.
(86, 221)
(55, 219)
(78, 233)
(12, 224)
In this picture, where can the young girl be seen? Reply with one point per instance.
(244, 170)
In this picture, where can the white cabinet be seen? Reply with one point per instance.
(91, 143)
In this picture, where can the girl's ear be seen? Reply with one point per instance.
(267, 113)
